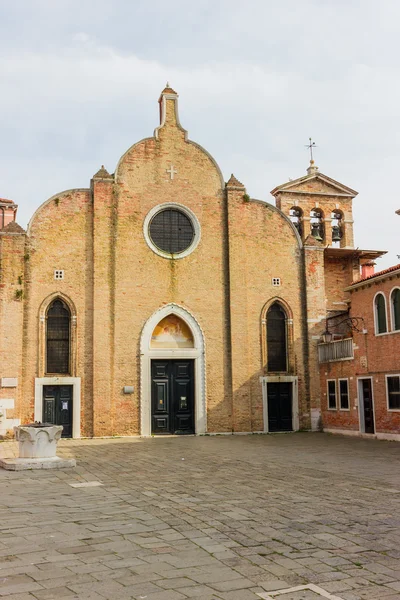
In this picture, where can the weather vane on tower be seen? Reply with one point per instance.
(310, 146)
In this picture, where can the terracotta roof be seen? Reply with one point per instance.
(234, 182)
(4, 200)
(13, 227)
(379, 273)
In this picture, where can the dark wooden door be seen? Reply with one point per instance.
(172, 396)
(368, 405)
(57, 407)
(280, 406)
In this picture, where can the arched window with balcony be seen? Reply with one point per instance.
(277, 360)
(395, 308)
(380, 313)
(58, 338)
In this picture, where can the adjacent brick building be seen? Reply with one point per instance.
(360, 377)
(163, 300)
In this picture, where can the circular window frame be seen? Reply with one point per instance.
(188, 213)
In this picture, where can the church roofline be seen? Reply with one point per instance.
(282, 214)
(286, 187)
(39, 208)
(169, 94)
(163, 98)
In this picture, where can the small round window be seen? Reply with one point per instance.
(171, 230)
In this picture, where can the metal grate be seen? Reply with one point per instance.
(171, 231)
(57, 338)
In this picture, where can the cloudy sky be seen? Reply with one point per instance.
(80, 82)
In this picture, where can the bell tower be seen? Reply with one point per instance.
(318, 206)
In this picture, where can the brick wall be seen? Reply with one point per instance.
(375, 356)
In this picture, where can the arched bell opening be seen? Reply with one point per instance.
(337, 228)
(317, 224)
(296, 216)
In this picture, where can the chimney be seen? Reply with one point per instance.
(367, 270)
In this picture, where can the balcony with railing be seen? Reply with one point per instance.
(337, 350)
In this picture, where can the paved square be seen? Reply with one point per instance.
(214, 517)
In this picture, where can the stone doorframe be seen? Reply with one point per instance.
(197, 354)
(295, 397)
(76, 399)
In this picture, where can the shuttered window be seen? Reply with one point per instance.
(396, 308)
(380, 314)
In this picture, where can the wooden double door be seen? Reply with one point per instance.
(172, 396)
(57, 407)
(280, 412)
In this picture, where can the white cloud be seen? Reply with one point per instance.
(80, 84)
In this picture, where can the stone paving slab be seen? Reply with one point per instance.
(241, 518)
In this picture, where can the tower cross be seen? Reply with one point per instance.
(310, 146)
(172, 171)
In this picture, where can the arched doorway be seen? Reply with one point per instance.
(172, 394)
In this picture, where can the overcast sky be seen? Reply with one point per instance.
(80, 82)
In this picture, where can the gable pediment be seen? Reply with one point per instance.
(316, 183)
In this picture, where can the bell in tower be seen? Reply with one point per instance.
(317, 224)
(337, 232)
(296, 216)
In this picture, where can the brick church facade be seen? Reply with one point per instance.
(163, 300)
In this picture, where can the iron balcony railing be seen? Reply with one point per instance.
(338, 350)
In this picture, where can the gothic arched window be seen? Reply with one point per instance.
(380, 314)
(395, 306)
(276, 338)
(58, 338)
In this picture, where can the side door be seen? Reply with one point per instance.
(57, 407)
(280, 406)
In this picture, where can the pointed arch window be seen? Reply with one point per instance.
(58, 338)
(395, 306)
(380, 314)
(276, 338)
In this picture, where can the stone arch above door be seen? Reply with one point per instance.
(191, 346)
